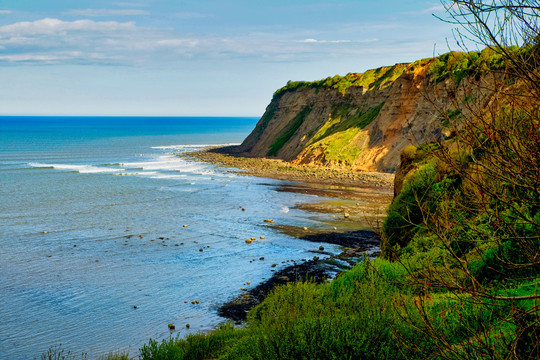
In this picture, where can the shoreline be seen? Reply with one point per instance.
(283, 170)
(356, 202)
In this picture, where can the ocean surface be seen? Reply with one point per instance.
(92, 215)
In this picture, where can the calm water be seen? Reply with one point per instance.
(92, 215)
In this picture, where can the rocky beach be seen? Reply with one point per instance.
(355, 200)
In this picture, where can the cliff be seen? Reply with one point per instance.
(363, 121)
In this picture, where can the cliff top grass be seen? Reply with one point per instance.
(454, 64)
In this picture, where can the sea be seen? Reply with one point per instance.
(107, 235)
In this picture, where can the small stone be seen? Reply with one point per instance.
(262, 237)
(193, 302)
(140, 236)
(134, 306)
(248, 283)
(346, 215)
(187, 325)
(274, 265)
(172, 327)
(305, 228)
(201, 249)
(243, 209)
(243, 289)
(261, 258)
(248, 241)
(315, 258)
(252, 239)
(269, 221)
(321, 248)
(185, 301)
(185, 226)
(196, 301)
(335, 228)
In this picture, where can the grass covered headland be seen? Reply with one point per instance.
(460, 266)
(459, 274)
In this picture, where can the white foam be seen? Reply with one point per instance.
(168, 163)
(180, 147)
(82, 169)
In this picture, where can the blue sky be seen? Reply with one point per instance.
(196, 57)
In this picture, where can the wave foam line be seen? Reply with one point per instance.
(82, 169)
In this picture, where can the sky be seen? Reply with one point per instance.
(196, 57)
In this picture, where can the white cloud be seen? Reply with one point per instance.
(54, 26)
(106, 12)
(5, 12)
(312, 41)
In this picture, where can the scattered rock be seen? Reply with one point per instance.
(185, 301)
(335, 228)
(135, 306)
(252, 239)
(172, 327)
(305, 228)
(196, 301)
(261, 258)
(262, 237)
(201, 249)
(274, 265)
(321, 248)
(187, 325)
(315, 258)
(269, 221)
(193, 302)
(185, 226)
(140, 236)
(346, 215)
(248, 283)
(248, 241)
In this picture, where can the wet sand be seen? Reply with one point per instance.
(355, 201)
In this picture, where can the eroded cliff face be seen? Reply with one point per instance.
(363, 128)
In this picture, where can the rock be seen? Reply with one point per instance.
(248, 283)
(248, 241)
(201, 249)
(185, 301)
(243, 289)
(243, 209)
(269, 221)
(187, 325)
(185, 226)
(315, 258)
(261, 258)
(193, 302)
(346, 215)
(274, 265)
(172, 327)
(252, 239)
(135, 306)
(305, 228)
(196, 301)
(262, 237)
(335, 228)
(321, 248)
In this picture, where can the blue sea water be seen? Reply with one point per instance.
(92, 215)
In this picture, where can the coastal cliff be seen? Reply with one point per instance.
(362, 122)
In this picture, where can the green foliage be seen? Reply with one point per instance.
(375, 79)
(293, 126)
(341, 134)
(458, 65)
